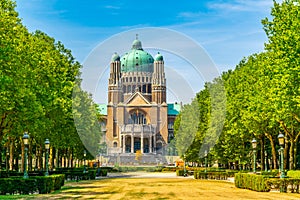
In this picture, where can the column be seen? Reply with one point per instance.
(142, 140)
(132, 139)
(124, 144)
(154, 142)
(150, 143)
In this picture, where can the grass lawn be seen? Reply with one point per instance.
(155, 188)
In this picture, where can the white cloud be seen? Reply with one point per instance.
(242, 5)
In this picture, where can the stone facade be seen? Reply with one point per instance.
(137, 112)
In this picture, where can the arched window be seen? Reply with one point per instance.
(137, 118)
(144, 88)
(115, 144)
(129, 89)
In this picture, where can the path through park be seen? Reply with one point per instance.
(158, 186)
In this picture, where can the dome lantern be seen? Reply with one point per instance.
(115, 57)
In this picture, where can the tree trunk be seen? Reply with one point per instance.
(72, 159)
(57, 157)
(274, 155)
(262, 152)
(292, 150)
(22, 156)
(29, 158)
(40, 157)
(53, 153)
(11, 155)
(285, 156)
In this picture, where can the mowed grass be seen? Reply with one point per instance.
(157, 188)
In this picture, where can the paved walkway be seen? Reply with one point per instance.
(146, 175)
(151, 175)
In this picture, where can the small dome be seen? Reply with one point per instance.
(137, 44)
(115, 57)
(158, 57)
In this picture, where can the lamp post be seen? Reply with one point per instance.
(205, 155)
(281, 143)
(254, 144)
(7, 159)
(266, 163)
(25, 140)
(47, 146)
(84, 155)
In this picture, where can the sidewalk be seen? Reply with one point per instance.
(146, 175)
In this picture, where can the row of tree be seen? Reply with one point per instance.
(258, 99)
(40, 94)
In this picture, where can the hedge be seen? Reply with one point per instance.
(76, 174)
(251, 182)
(101, 172)
(179, 172)
(284, 184)
(271, 174)
(37, 184)
(217, 175)
(293, 174)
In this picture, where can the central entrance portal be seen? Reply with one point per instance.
(137, 144)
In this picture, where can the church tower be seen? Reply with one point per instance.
(114, 82)
(114, 95)
(158, 80)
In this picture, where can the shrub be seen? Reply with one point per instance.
(218, 175)
(293, 174)
(284, 184)
(101, 172)
(76, 174)
(271, 174)
(41, 184)
(251, 181)
(179, 172)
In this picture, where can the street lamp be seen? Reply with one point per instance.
(47, 146)
(281, 143)
(205, 154)
(266, 163)
(25, 140)
(254, 144)
(84, 155)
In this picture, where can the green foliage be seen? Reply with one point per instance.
(38, 76)
(251, 182)
(139, 168)
(40, 184)
(179, 172)
(213, 175)
(284, 184)
(271, 174)
(293, 174)
(262, 98)
(17, 185)
(76, 173)
(101, 172)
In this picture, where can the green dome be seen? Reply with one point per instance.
(137, 60)
(115, 57)
(159, 57)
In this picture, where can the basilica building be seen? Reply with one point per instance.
(138, 117)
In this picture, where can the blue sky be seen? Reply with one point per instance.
(227, 30)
